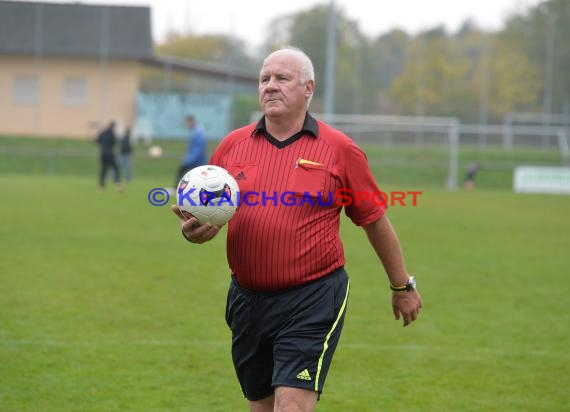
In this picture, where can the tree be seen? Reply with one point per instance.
(543, 33)
(515, 84)
(471, 74)
(434, 77)
(385, 59)
(214, 48)
(307, 30)
(218, 49)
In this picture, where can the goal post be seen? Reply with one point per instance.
(379, 129)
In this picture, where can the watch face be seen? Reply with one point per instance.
(412, 283)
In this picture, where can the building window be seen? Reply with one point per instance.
(26, 90)
(75, 91)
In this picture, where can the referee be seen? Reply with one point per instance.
(289, 290)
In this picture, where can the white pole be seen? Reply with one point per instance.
(103, 66)
(39, 57)
(331, 60)
(548, 76)
(563, 144)
(484, 96)
(420, 90)
(508, 132)
(453, 156)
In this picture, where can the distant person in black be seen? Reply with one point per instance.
(472, 170)
(106, 140)
(126, 152)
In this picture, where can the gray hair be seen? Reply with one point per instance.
(307, 71)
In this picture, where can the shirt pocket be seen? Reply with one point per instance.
(245, 173)
(308, 179)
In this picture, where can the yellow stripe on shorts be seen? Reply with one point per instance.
(326, 345)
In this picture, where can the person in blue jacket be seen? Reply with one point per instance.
(196, 151)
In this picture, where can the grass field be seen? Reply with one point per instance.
(104, 307)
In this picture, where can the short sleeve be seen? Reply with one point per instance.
(367, 204)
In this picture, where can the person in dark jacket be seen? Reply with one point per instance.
(469, 180)
(106, 140)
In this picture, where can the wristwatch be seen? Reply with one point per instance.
(408, 287)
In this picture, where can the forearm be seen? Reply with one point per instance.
(386, 244)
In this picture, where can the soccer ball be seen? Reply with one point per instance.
(155, 152)
(209, 193)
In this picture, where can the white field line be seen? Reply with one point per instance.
(371, 347)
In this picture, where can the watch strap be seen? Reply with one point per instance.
(399, 288)
(409, 286)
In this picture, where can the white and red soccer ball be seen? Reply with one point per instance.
(209, 193)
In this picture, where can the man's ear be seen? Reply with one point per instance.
(309, 88)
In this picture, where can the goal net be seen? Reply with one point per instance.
(421, 149)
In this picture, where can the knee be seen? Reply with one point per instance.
(289, 399)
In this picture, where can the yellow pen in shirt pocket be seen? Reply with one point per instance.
(307, 178)
(308, 164)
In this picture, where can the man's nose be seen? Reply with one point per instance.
(271, 83)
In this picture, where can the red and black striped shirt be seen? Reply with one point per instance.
(286, 231)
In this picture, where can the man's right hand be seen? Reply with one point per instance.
(192, 230)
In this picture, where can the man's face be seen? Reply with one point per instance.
(281, 93)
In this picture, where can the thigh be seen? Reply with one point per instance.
(304, 347)
(113, 162)
(252, 353)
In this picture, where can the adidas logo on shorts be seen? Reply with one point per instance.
(304, 375)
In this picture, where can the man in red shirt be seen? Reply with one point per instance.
(289, 290)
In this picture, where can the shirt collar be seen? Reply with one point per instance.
(310, 126)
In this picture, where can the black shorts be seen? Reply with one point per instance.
(286, 338)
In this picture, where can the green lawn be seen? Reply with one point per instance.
(104, 307)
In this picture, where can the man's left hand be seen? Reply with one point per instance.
(406, 305)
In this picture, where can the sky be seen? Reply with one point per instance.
(248, 19)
